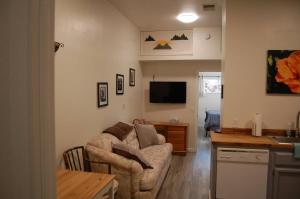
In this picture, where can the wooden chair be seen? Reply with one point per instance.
(77, 159)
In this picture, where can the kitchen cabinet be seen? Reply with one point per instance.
(284, 176)
(283, 180)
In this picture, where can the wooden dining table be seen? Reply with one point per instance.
(83, 185)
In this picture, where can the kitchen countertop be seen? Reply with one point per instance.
(242, 140)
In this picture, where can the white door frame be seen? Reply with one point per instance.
(27, 138)
(43, 16)
(198, 98)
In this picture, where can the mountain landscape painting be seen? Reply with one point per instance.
(182, 37)
(162, 45)
(149, 38)
(156, 43)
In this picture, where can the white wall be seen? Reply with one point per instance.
(209, 101)
(176, 71)
(203, 49)
(99, 42)
(252, 28)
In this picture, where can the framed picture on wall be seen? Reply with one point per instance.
(102, 93)
(179, 42)
(131, 77)
(283, 72)
(119, 84)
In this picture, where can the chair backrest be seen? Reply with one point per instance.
(76, 159)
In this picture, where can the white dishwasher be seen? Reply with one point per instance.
(242, 173)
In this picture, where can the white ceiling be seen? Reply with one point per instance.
(161, 14)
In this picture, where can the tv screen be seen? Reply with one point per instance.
(167, 92)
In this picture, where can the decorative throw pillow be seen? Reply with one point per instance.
(127, 128)
(146, 134)
(131, 153)
(120, 130)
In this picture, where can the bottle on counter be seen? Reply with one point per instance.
(289, 129)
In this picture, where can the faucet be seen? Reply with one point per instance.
(297, 125)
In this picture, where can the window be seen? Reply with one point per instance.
(211, 84)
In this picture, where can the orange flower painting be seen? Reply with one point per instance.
(283, 72)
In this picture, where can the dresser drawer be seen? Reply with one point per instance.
(176, 134)
(176, 140)
(178, 147)
(176, 128)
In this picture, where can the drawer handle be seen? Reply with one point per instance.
(226, 157)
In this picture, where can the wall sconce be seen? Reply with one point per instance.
(57, 45)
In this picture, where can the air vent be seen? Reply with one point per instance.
(209, 7)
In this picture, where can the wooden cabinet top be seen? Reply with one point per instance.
(242, 140)
(80, 185)
(170, 124)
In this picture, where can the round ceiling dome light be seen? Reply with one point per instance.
(187, 17)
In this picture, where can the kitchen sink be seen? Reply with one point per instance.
(282, 139)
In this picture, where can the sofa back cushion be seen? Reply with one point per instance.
(131, 153)
(146, 134)
(132, 140)
(104, 141)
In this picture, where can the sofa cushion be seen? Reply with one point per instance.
(158, 156)
(131, 153)
(146, 134)
(132, 140)
(104, 141)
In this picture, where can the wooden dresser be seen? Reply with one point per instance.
(175, 133)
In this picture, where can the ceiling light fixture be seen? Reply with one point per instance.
(187, 17)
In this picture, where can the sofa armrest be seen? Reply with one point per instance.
(161, 139)
(128, 172)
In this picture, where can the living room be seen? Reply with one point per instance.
(100, 39)
(90, 32)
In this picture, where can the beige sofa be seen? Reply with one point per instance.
(134, 181)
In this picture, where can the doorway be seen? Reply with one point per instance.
(209, 103)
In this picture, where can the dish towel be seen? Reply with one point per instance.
(297, 150)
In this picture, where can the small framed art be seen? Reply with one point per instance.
(119, 84)
(131, 77)
(102, 91)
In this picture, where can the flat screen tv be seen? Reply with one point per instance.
(167, 92)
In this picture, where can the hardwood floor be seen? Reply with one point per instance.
(189, 176)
